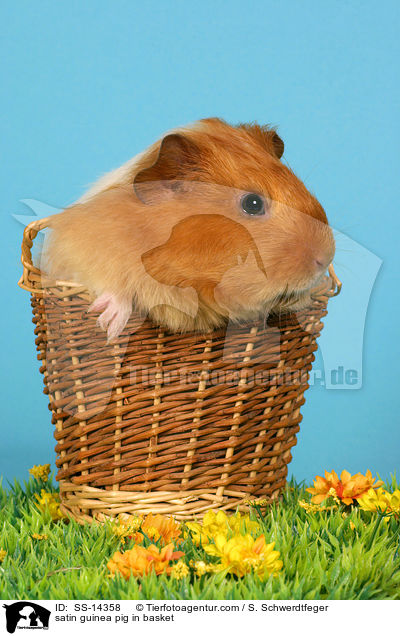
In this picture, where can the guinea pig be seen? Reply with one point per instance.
(207, 225)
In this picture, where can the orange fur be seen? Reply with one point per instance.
(166, 233)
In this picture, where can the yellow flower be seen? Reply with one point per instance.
(220, 523)
(41, 471)
(308, 507)
(49, 502)
(313, 508)
(243, 524)
(243, 554)
(179, 570)
(39, 537)
(333, 494)
(195, 532)
(259, 502)
(352, 525)
(345, 489)
(127, 526)
(140, 561)
(200, 567)
(382, 500)
(212, 523)
(395, 501)
(3, 554)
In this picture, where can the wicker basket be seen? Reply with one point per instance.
(174, 424)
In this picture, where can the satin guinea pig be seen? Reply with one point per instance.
(205, 226)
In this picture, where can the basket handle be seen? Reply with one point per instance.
(30, 233)
(335, 279)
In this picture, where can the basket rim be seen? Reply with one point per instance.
(78, 499)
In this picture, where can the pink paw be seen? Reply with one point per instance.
(115, 314)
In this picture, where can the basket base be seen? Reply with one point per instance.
(86, 504)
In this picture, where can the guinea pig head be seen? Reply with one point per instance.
(245, 232)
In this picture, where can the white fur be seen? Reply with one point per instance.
(123, 173)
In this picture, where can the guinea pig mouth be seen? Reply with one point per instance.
(288, 298)
(292, 298)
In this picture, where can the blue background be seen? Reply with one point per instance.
(86, 85)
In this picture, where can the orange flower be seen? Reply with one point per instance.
(137, 537)
(140, 561)
(154, 527)
(159, 526)
(345, 489)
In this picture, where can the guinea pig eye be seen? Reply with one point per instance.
(253, 204)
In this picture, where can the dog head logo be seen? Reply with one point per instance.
(26, 615)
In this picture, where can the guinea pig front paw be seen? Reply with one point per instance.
(115, 314)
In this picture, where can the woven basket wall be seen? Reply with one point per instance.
(174, 424)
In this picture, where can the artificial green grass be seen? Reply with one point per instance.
(323, 557)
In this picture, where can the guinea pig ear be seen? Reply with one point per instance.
(277, 143)
(267, 137)
(177, 158)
